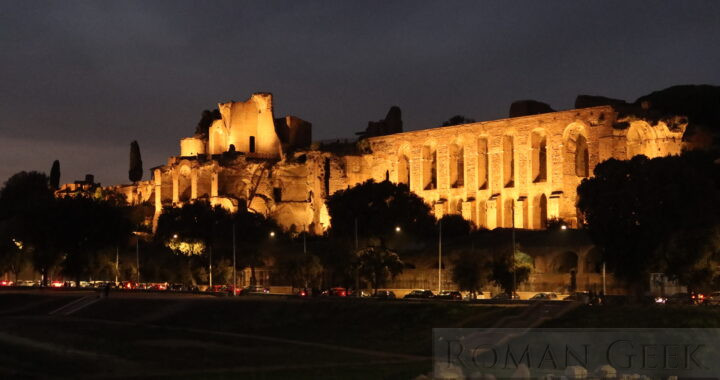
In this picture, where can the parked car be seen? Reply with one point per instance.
(334, 292)
(6, 283)
(254, 289)
(449, 295)
(419, 294)
(713, 298)
(478, 296)
(583, 297)
(384, 294)
(678, 299)
(505, 296)
(544, 296)
(363, 294)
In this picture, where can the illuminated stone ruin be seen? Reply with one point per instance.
(518, 171)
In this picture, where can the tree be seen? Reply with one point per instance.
(199, 229)
(194, 230)
(454, 226)
(471, 272)
(503, 267)
(136, 169)
(88, 226)
(377, 264)
(644, 214)
(206, 119)
(55, 175)
(301, 270)
(457, 120)
(28, 211)
(378, 208)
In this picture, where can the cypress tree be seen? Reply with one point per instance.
(55, 175)
(136, 170)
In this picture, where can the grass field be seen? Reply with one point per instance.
(190, 337)
(215, 338)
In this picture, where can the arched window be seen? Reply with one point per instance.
(403, 170)
(508, 161)
(457, 166)
(482, 163)
(540, 212)
(429, 168)
(539, 156)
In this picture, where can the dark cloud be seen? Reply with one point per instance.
(89, 77)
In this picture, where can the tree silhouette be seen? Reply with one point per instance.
(378, 209)
(136, 169)
(55, 175)
(471, 272)
(378, 264)
(660, 215)
(457, 120)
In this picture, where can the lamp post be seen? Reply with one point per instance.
(117, 263)
(357, 267)
(514, 287)
(440, 256)
(137, 256)
(234, 291)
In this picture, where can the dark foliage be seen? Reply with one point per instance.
(55, 175)
(378, 209)
(457, 120)
(206, 119)
(658, 215)
(136, 169)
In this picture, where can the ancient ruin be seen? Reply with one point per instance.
(519, 171)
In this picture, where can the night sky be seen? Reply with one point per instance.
(81, 79)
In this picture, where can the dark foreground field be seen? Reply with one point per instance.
(191, 337)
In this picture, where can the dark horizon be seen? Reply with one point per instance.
(85, 79)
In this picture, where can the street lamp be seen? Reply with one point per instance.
(563, 227)
(272, 233)
(397, 229)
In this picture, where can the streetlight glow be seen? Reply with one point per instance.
(175, 236)
(563, 227)
(397, 229)
(272, 234)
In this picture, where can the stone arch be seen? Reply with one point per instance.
(538, 141)
(593, 261)
(483, 163)
(430, 164)
(508, 160)
(564, 262)
(641, 140)
(457, 164)
(540, 212)
(184, 182)
(403, 166)
(576, 154)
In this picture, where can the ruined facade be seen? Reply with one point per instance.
(512, 172)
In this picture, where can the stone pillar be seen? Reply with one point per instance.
(492, 212)
(158, 190)
(214, 184)
(193, 184)
(468, 210)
